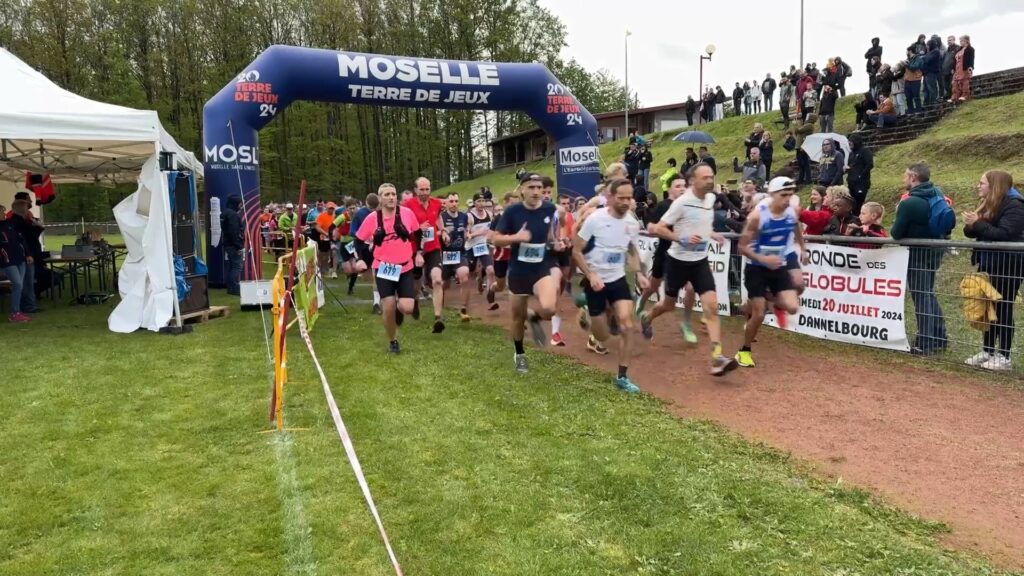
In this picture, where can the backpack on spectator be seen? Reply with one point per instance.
(941, 218)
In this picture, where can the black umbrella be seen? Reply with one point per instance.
(694, 137)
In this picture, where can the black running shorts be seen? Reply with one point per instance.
(759, 279)
(404, 287)
(598, 302)
(679, 273)
(522, 285)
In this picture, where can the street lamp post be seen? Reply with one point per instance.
(628, 33)
(801, 62)
(710, 49)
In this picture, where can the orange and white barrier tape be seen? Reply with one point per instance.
(346, 441)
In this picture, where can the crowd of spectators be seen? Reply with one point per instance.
(930, 72)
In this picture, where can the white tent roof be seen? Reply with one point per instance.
(46, 129)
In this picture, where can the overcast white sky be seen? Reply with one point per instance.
(755, 37)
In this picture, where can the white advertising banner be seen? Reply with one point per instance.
(853, 295)
(718, 257)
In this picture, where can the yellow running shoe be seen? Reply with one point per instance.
(745, 359)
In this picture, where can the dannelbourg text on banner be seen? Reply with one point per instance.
(853, 295)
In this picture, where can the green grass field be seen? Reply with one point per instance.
(143, 454)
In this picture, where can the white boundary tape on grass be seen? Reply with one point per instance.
(346, 441)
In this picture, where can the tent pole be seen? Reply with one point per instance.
(170, 240)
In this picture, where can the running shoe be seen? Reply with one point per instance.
(521, 367)
(394, 348)
(493, 306)
(416, 309)
(334, 276)
(645, 325)
(463, 316)
(780, 317)
(438, 326)
(556, 340)
(377, 310)
(19, 318)
(745, 358)
(998, 363)
(537, 331)
(978, 359)
(583, 319)
(688, 334)
(596, 347)
(720, 365)
(623, 383)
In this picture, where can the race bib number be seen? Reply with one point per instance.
(389, 271)
(614, 258)
(772, 250)
(451, 258)
(531, 253)
(351, 247)
(480, 250)
(428, 234)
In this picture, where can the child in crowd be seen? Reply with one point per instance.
(871, 214)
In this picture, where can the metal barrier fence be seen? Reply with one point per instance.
(934, 307)
(79, 228)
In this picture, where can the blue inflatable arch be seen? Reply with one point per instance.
(283, 74)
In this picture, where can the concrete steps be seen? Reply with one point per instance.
(908, 128)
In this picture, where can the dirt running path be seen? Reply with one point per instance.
(945, 447)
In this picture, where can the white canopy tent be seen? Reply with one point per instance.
(48, 130)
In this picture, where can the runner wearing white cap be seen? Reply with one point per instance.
(772, 232)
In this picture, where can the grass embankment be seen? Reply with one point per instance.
(141, 454)
(729, 135)
(979, 135)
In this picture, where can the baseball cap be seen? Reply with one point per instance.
(780, 183)
(531, 176)
(289, 205)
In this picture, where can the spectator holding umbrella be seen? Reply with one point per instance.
(831, 163)
(999, 218)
